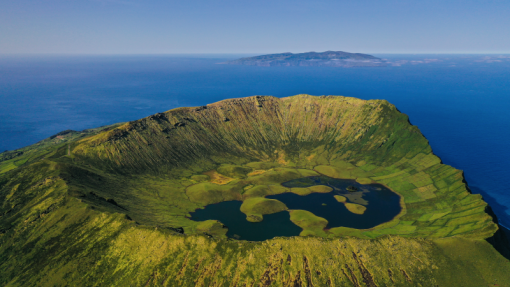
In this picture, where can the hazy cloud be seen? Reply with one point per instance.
(493, 59)
(413, 62)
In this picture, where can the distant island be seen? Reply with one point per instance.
(324, 59)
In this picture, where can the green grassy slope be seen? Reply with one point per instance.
(10, 160)
(108, 208)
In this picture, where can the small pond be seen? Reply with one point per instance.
(229, 213)
(382, 205)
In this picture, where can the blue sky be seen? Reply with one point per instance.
(238, 26)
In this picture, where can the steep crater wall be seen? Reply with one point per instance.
(337, 136)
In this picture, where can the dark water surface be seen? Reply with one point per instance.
(459, 102)
(229, 213)
(382, 205)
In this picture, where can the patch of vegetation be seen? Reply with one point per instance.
(200, 177)
(262, 165)
(212, 228)
(301, 190)
(208, 193)
(216, 177)
(256, 207)
(234, 171)
(258, 191)
(364, 180)
(356, 197)
(344, 171)
(307, 190)
(320, 188)
(355, 208)
(311, 224)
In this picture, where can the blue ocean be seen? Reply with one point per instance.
(461, 103)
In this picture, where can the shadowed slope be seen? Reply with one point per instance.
(256, 127)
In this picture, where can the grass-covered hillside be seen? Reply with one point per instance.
(24, 156)
(111, 208)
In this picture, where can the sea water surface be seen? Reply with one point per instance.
(460, 102)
